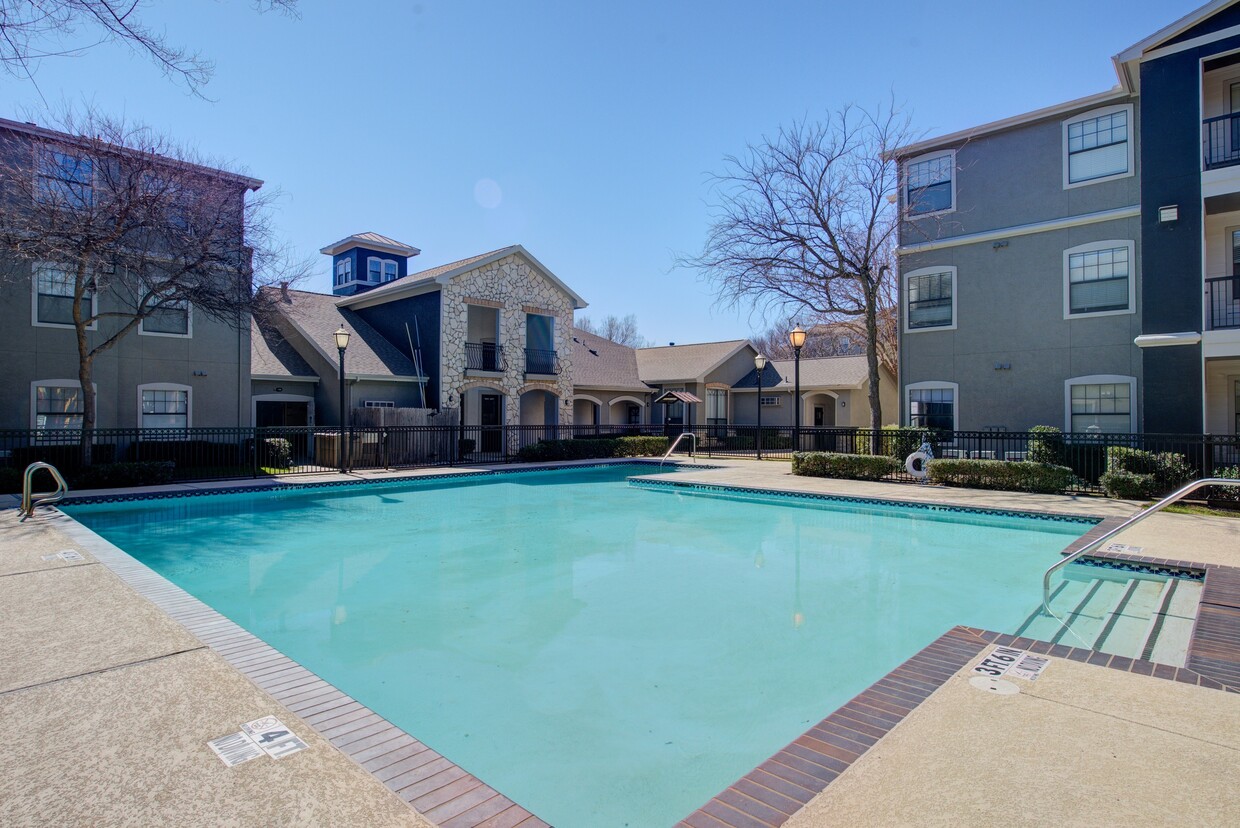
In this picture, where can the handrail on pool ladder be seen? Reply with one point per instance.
(692, 447)
(1093, 545)
(30, 499)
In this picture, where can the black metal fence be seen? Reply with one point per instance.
(218, 453)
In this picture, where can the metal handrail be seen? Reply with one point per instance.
(30, 499)
(1093, 545)
(692, 447)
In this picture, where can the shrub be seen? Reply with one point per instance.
(843, 466)
(118, 475)
(1005, 475)
(465, 446)
(63, 457)
(187, 453)
(772, 440)
(897, 441)
(1128, 485)
(1225, 494)
(587, 449)
(275, 453)
(1046, 446)
(1135, 474)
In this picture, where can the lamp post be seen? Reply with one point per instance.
(342, 341)
(759, 362)
(796, 337)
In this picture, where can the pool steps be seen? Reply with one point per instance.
(1123, 613)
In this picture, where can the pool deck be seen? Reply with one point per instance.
(106, 704)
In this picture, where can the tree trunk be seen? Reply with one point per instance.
(871, 360)
(86, 370)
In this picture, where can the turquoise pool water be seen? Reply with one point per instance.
(603, 654)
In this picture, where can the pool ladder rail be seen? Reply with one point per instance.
(32, 499)
(1096, 543)
(692, 447)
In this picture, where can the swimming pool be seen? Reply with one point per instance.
(603, 654)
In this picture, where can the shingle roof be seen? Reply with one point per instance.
(317, 317)
(680, 362)
(601, 363)
(272, 355)
(820, 372)
(428, 275)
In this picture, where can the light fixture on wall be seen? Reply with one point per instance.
(1168, 214)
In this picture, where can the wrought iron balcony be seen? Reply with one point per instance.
(1223, 302)
(1220, 141)
(538, 361)
(484, 356)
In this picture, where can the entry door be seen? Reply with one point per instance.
(820, 416)
(285, 414)
(489, 418)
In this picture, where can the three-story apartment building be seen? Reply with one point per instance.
(1079, 265)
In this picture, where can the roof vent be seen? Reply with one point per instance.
(671, 344)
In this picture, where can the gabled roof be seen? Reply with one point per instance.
(316, 317)
(820, 372)
(418, 282)
(601, 363)
(371, 241)
(1174, 34)
(670, 363)
(271, 355)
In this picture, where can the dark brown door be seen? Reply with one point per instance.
(489, 418)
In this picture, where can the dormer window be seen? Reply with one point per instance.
(344, 271)
(380, 270)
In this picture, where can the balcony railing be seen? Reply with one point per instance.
(484, 356)
(1223, 302)
(1220, 141)
(538, 361)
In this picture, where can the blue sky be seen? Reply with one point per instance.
(583, 131)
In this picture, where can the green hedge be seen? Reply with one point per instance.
(1133, 474)
(898, 442)
(1229, 494)
(843, 466)
(771, 441)
(588, 449)
(1004, 475)
(1046, 446)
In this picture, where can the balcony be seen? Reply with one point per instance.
(484, 356)
(538, 361)
(1223, 303)
(1220, 141)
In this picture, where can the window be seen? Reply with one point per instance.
(344, 271)
(170, 319)
(164, 406)
(930, 299)
(716, 405)
(57, 405)
(770, 400)
(62, 179)
(389, 270)
(1097, 146)
(53, 296)
(374, 269)
(1100, 404)
(634, 414)
(380, 404)
(932, 405)
(1098, 278)
(930, 184)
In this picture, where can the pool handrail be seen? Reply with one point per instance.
(1132, 520)
(692, 447)
(31, 499)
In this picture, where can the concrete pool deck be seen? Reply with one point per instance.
(95, 717)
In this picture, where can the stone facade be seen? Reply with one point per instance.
(514, 286)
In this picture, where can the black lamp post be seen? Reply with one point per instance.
(796, 337)
(342, 341)
(759, 362)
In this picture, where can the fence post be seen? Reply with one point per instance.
(254, 460)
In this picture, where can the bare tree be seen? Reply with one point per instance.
(806, 224)
(31, 30)
(828, 339)
(622, 331)
(121, 225)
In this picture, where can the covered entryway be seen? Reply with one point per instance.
(287, 411)
(818, 412)
(482, 416)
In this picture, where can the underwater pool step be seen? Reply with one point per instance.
(1118, 612)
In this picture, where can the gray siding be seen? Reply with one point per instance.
(219, 352)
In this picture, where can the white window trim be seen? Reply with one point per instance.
(910, 216)
(930, 384)
(1085, 116)
(54, 383)
(169, 386)
(382, 262)
(1132, 277)
(1099, 379)
(926, 271)
(189, 326)
(34, 302)
(346, 263)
